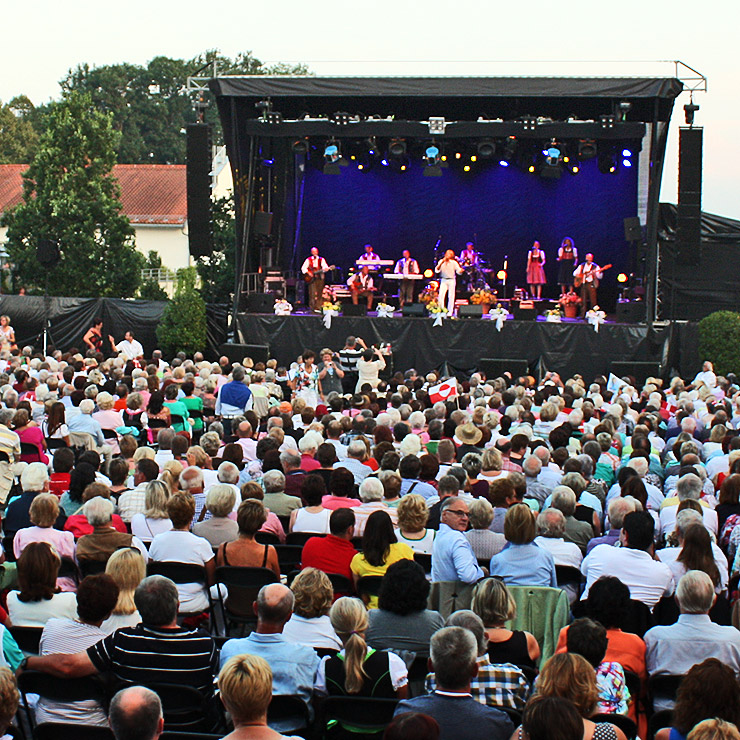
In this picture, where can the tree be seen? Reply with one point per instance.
(719, 341)
(217, 270)
(150, 289)
(18, 136)
(71, 197)
(183, 324)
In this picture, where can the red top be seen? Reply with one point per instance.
(309, 464)
(78, 525)
(59, 483)
(330, 554)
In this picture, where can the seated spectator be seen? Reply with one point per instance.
(245, 551)
(617, 511)
(709, 690)
(308, 444)
(34, 480)
(276, 500)
(371, 495)
(379, 550)
(578, 532)
(714, 729)
(551, 528)
(448, 485)
(140, 654)
(252, 489)
(485, 543)
(134, 501)
(38, 597)
(293, 665)
(493, 603)
(136, 714)
(689, 487)
(108, 417)
(402, 621)
(570, 676)
(341, 491)
(83, 423)
(453, 558)
(180, 545)
(522, 562)
(471, 464)
(78, 525)
(335, 552)
(359, 670)
(127, 568)
(118, 473)
(551, 718)
(96, 598)
(192, 482)
(502, 494)
(105, 539)
(647, 579)
(412, 520)
(675, 648)
(147, 524)
(454, 660)
(9, 700)
(588, 639)
(54, 426)
(496, 684)
(31, 435)
(412, 726)
(62, 463)
(310, 623)
(356, 453)
(219, 528)
(409, 469)
(312, 517)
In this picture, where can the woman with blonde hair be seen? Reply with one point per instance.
(128, 569)
(154, 519)
(310, 623)
(413, 515)
(714, 729)
(170, 475)
(359, 670)
(571, 676)
(493, 603)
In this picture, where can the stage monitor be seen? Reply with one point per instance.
(471, 311)
(413, 309)
(237, 352)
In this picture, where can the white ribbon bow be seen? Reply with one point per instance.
(438, 318)
(283, 309)
(596, 319)
(553, 318)
(327, 317)
(386, 312)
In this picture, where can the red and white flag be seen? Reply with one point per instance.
(444, 391)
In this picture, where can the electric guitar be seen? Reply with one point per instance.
(311, 274)
(578, 279)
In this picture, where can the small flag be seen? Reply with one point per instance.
(444, 391)
(614, 384)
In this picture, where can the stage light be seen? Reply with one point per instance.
(384, 162)
(607, 121)
(486, 148)
(501, 274)
(467, 168)
(428, 273)
(566, 160)
(437, 124)
(458, 155)
(431, 155)
(626, 163)
(530, 123)
(360, 167)
(509, 150)
(503, 163)
(352, 157)
(626, 153)
(689, 110)
(444, 157)
(624, 108)
(608, 162)
(403, 168)
(273, 117)
(341, 118)
(576, 169)
(331, 152)
(586, 149)
(397, 148)
(473, 158)
(621, 278)
(300, 146)
(532, 168)
(552, 154)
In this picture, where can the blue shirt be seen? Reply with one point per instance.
(453, 558)
(524, 565)
(293, 666)
(84, 423)
(423, 489)
(233, 399)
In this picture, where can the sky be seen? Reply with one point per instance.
(43, 39)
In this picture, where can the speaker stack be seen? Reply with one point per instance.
(688, 227)
(198, 181)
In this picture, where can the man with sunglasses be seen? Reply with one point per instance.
(453, 558)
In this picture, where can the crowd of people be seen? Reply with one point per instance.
(404, 544)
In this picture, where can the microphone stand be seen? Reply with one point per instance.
(436, 249)
(506, 273)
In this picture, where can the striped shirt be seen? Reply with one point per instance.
(146, 655)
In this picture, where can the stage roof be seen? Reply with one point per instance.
(456, 98)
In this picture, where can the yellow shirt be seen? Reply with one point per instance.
(360, 566)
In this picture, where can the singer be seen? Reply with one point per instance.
(448, 268)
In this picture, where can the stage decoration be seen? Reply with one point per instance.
(483, 297)
(385, 311)
(430, 293)
(283, 307)
(499, 315)
(437, 311)
(595, 317)
(329, 310)
(570, 302)
(553, 316)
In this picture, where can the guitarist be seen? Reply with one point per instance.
(361, 284)
(314, 268)
(587, 276)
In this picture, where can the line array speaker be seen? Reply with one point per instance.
(688, 226)
(198, 181)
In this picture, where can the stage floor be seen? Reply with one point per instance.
(458, 345)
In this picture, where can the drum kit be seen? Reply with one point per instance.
(477, 273)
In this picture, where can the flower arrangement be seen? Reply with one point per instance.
(571, 298)
(329, 306)
(327, 294)
(553, 315)
(434, 308)
(482, 295)
(430, 293)
(283, 307)
(385, 310)
(499, 315)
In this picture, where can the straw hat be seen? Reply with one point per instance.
(468, 434)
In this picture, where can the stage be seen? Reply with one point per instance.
(458, 345)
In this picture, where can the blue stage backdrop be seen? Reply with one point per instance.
(503, 209)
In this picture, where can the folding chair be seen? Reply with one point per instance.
(288, 707)
(182, 573)
(360, 717)
(70, 731)
(300, 538)
(27, 638)
(622, 721)
(243, 585)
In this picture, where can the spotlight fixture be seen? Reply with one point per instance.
(300, 146)
(624, 108)
(341, 118)
(509, 150)
(586, 149)
(608, 162)
(273, 117)
(552, 154)
(431, 155)
(486, 148)
(331, 152)
(501, 275)
(622, 277)
(437, 125)
(397, 148)
(530, 123)
(607, 121)
(428, 273)
(688, 110)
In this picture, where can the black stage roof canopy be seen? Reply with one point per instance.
(457, 98)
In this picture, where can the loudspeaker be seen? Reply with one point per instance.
(260, 302)
(528, 310)
(471, 311)
(237, 352)
(494, 367)
(640, 371)
(413, 309)
(688, 225)
(632, 229)
(47, 252)
(198, 182)
(350, 309)
(263, 223)
(631, 312)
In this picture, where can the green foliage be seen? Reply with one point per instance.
(151, 290)
(217, 271)
(18, 136)
(71, 196)
(719, 341)
(183, 324)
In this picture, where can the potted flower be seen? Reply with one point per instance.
(484, 298)
(429, 293)
(553, 315)
(570, 302)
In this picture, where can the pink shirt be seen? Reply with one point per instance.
(339, 502)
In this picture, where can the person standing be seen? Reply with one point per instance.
(587, 277)
(535, 270)
(94, 337)
(568, 259)
(406, 266)
(314, 269)
(330, 374)
(7, 333)
(448, 268)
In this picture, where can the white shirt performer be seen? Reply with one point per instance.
(448, 268)
(130, 348)
(314, 268)
(407, 265)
